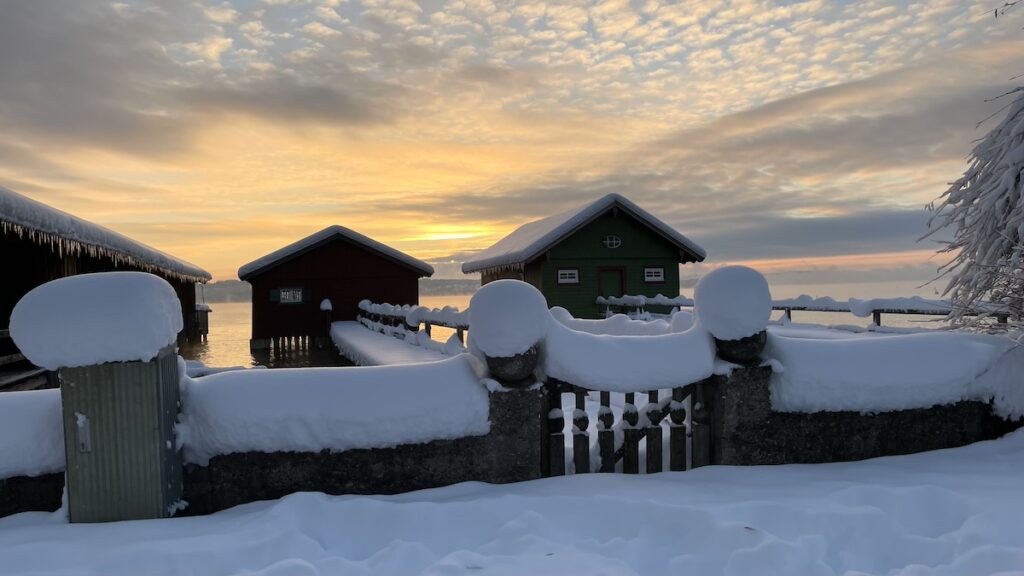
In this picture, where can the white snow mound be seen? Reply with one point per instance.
(507, 317)
(733, 302)
(618, 324)
(96, 318)
(337, 409)
(31, 433)
(881, 373)
(628, 363)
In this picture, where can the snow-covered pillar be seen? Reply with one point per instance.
(112, 337)
(508, 320)
(734, 305)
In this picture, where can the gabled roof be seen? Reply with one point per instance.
(323, 237)
(534, 238)
(66, 233)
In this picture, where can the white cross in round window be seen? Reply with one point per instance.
(612, 241)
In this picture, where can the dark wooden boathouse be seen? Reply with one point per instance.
(337, 264)
(39, 243)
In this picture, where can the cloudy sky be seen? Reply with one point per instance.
(804, 137)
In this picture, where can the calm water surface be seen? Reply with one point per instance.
(230, 322)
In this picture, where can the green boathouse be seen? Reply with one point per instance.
(608, 247)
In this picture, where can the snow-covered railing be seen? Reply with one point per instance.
(412, 316)
(862, 308)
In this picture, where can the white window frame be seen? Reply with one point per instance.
(568, 276)
(660, 278)
(292, 293)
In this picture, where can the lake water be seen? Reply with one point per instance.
(230, 322)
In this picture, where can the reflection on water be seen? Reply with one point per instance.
(230, 324)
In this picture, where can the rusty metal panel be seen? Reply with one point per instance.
(122, 462)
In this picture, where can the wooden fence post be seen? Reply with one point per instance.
(580, 436)
(605, 434)
(556, 425)
(631, 436)
(654, 416)
(677, 433)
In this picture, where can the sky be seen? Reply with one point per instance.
(804, 138)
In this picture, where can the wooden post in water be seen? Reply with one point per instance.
(605, 434)
(654, 414)
(677, 431)
(631, 436)
(580, 435)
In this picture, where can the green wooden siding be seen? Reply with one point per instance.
(641, 248)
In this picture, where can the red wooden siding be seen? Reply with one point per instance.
(339, 270)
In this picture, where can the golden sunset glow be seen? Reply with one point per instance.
(803, 135)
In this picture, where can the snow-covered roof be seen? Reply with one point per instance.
(534, 238)
(312, 241)
(66, 233)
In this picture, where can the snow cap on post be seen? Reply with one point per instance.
(507, 321)
(733, 302)
(96, 318)
(507, 317)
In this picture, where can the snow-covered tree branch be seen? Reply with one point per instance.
(985, 210)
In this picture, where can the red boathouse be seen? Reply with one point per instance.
(337, 264)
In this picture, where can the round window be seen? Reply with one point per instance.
(612, 241)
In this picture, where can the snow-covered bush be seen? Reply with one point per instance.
(733, 302)
(96, 318)
(507, 317)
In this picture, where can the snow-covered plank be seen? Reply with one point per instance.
(368, 348)
(70, 234)
(300, 246)
(533, 238)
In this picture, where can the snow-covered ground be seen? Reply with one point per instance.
(953, 512)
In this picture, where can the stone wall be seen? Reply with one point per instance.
(510, 452)
(748, 432)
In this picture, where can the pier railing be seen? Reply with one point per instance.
(873, 307)
(411, 317)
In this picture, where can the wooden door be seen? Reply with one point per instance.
(611, 282)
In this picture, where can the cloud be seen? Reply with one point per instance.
(803, 130)
(320, 30)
